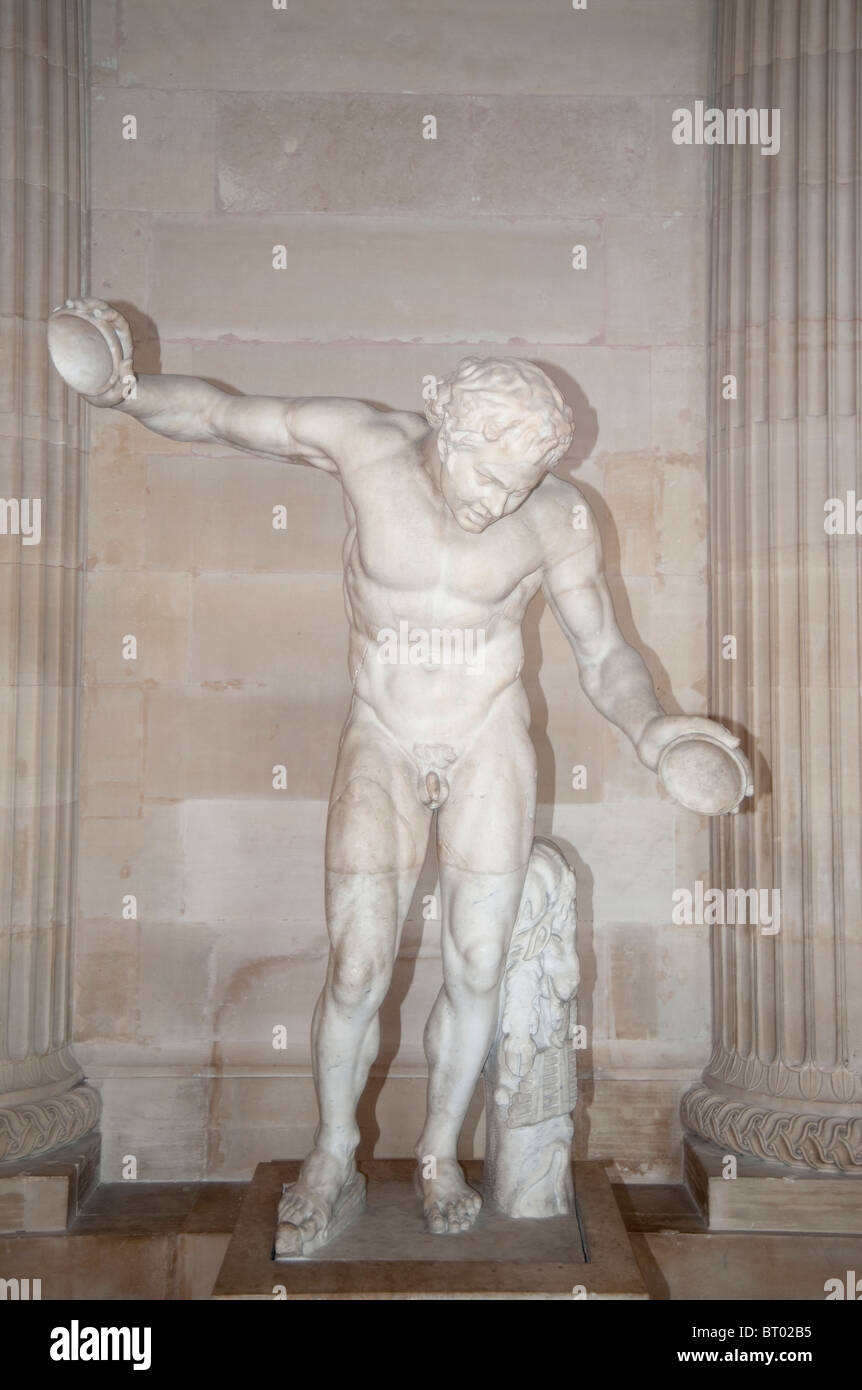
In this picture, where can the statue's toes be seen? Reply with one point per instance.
(288, 1240)
(436, 1221)
(463, 1216)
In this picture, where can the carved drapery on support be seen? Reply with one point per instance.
(43, 1102)
(785, 1078)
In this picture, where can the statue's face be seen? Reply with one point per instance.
(486, 480)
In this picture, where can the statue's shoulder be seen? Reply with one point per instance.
(372, 434)
(388, 430)
(408, 423)
(558, 491)
(563, 518)
(555, 502)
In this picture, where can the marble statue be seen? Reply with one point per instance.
(455, 522)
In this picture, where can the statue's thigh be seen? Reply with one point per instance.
(488, 823)
(376, 823)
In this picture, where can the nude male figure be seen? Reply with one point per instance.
(454, 523)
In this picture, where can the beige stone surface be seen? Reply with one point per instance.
(143, 1266)
(743, 1267)
(678, 174)
(106, 981)
(289, 153)
(232, 738)
(318, 46)
(121, 260)
(202, 514)
(155, 610)
(112, 741)
(170, 162)
(297, 642)
(558, 156)
(159, 1120)
(661, 298)
(236, 857)
(103, 41)
(32, 1202)
(764, 1196)
(140, 855)
(200, 1257)
(491, 155)
(393, 278)
(101, 1267)
(677, 401)
(48, 1191)
(175, 1014)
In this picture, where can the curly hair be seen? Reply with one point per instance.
(487, 397)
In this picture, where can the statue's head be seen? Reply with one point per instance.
(501, 424)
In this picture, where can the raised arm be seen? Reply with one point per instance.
(613, 675)
(91, 347)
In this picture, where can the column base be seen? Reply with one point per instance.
(767, 1196)
(744, 1124)
(46, 1193)
(41, 1126)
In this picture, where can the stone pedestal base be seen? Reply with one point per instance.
(388, 1254)
(769, 1196)
(46, 1193)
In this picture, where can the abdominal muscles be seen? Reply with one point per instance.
(434, 684)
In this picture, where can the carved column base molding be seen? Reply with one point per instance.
(782, 1081)
(35, 1127)
(785, 1136)
(39, 1076)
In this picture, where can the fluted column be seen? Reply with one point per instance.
(785, 1078)
(43, 1103)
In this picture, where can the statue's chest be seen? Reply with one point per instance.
(424, 555)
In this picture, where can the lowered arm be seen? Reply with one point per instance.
(613, 675)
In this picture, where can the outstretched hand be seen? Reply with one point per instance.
(91, 346)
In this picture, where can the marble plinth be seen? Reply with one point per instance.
(388, 1254)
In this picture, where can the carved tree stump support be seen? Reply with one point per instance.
(530, 1076)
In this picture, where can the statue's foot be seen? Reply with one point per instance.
(320, 1204)
(450, 1205)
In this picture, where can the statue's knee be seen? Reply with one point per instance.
(358, 982)
(480, 966)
